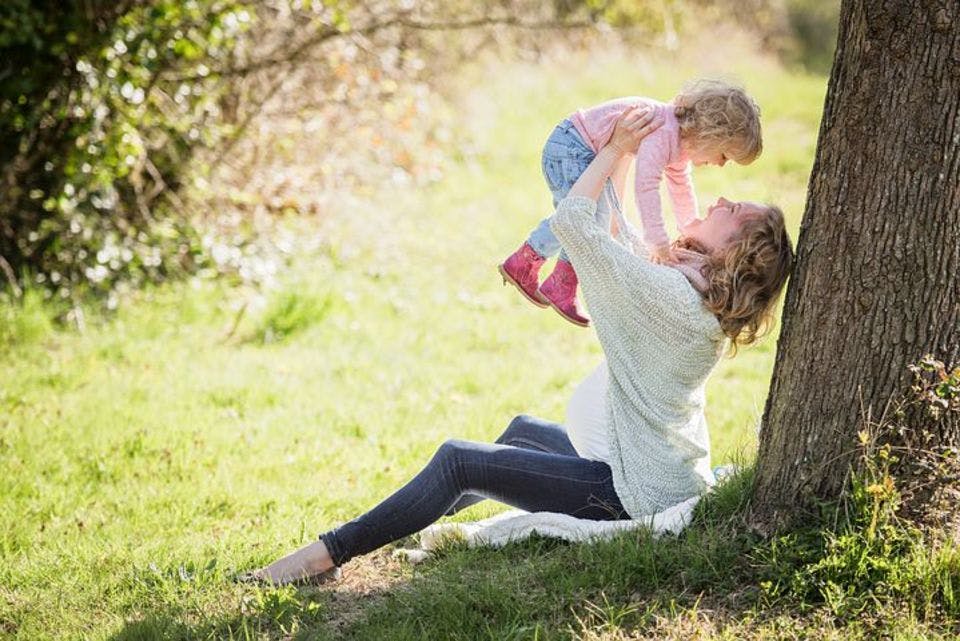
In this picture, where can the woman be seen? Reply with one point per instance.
(638, 442)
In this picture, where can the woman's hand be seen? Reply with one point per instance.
(632, 127)
(662, 255)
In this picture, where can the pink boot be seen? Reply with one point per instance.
(522, 269)
(560, 290)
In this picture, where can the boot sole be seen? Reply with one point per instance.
(509, 279)
(568, 319)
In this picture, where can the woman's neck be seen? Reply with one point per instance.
(691, 259)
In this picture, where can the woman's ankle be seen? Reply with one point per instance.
(318, 558)
(307, 561)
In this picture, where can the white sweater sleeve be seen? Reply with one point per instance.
(621, 289)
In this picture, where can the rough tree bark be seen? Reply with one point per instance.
(877, 280)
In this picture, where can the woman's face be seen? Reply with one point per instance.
(722, 223)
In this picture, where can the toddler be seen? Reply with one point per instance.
(709, 122)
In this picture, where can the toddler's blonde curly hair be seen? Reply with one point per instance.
(717, 115)
(745, 278)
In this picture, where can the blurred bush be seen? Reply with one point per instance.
(101, 106)
(801, 32)
(813, 32)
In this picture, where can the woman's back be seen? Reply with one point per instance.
(661, 344)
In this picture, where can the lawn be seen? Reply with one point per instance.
(147, 458)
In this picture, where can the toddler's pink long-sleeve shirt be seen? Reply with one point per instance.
(658, 155)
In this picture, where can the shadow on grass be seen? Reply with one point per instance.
(539, 588)
(544, 588)
(716, 580)
(287, 613)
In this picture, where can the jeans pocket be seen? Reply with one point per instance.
(575, 150)
(552, 173)
(562, 172)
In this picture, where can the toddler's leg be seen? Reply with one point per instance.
(542, 240)
(606, 204)
(560, 288)
(565, 157)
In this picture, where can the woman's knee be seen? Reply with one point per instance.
(518, 426)
(449, 462)
(451, 450)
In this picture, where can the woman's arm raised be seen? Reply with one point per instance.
(622, 290)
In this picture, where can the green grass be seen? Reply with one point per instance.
(200, 431)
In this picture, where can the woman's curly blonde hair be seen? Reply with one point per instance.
(717, 115)
(745, 279)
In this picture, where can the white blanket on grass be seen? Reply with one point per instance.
(516, 525)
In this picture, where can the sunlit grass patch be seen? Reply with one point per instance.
(26, 320)
(291, 311)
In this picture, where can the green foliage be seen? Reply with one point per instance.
(109, 111)
(102, 106)
(875, 557)
(872, 561)
(649, 16)
(936, 386)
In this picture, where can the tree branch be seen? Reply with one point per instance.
(330, 33)
(11, 277)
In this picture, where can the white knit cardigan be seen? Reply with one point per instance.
(660, 343)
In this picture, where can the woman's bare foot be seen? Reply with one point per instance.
(305, 563)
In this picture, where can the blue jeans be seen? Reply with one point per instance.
(565, 157)
(532, 466)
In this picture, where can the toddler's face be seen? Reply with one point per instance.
(708, 156)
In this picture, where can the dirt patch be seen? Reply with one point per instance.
(364, 583)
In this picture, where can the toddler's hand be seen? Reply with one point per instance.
(632, 127)
(661, 255)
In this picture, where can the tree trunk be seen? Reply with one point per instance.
(877, 280)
